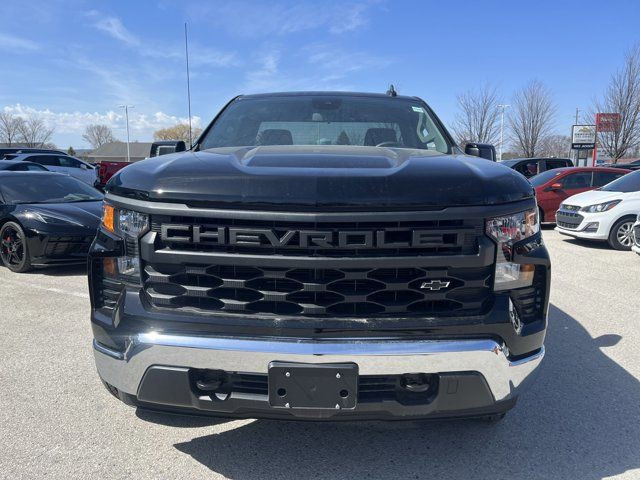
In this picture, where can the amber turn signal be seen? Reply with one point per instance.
(108, 215)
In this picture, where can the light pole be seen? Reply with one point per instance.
(126, 114)
(502, 107)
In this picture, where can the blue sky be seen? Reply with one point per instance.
(75, 61)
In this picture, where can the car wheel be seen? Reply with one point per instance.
(14, 252)
(540, 215)
(621, 235)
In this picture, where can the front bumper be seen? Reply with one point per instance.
(475, 377)
(594, 226)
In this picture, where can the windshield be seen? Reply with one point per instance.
(49, 188)
(326, 120)
(627, 183)
(544, 177)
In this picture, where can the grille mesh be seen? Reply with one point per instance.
(318, 292)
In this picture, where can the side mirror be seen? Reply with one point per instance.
(164, 147)
(482, 150)
(556, 186)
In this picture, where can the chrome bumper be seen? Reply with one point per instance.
(125, 370)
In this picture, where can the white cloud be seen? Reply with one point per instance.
(114, 27)
(255, 19)
(12, 43)
(198, 54)
(142, 125)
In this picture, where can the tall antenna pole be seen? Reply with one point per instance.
(186, 52)
(126, 114)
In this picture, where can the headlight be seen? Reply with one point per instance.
(130, 226)
(600, 207)
(506, 231)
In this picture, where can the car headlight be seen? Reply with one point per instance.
(600, 207)
(130, 226)
(506, 231)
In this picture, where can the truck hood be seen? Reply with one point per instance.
(321, 176)
(594, 197)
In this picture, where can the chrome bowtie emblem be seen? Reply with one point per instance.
(434, 285)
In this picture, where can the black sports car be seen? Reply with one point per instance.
(46, 218)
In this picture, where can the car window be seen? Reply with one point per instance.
(326, 120)
(551, 164)
(47, 160)
(528, 169)
(27, 167)
(69, 162)
(602, 178)
(544, 177)
(577, 180)
(46, 188)
(627, 183)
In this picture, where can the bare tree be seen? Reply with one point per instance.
(98, 135)
(177, 132)
(9, 128)
(555, 146)
(34, 132)
(623, 97)
(479, 116)
(531, 118)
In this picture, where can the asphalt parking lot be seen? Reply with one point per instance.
(580, 420)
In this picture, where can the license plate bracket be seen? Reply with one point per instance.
(313, 386)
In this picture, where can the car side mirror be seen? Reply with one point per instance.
(556, 186)
(83, 166)
(482, 150)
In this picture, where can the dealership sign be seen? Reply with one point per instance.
(607, 122)
(583, 137)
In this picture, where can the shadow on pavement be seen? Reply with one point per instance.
(61, 271)
(593, 244)
(580, 420)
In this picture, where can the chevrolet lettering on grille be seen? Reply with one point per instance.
(256, 237)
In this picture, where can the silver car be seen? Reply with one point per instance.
(83, 171)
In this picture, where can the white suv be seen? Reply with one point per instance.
(607, 213)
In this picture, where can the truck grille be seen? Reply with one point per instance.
(220, 276)
(318, 292)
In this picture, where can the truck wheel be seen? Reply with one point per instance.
(621, 235)
(14, 252)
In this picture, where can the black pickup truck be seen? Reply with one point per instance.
(320, 256)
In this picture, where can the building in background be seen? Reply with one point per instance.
(117, 152)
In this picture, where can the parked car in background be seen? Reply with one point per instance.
(635, 165)
(14, 150)
(18, 166)
(555, 186)
(107, 169)
(72, 166)
(533, 166)
(46, 218)
(636, 236)
(606, 214)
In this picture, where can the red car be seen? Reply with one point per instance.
(554, 186)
